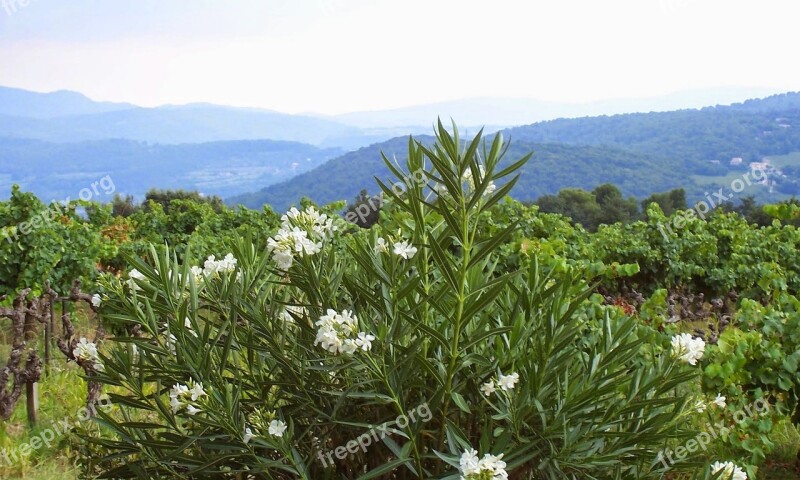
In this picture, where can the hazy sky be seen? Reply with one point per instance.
(333, 56)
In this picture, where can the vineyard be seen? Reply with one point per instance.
(463, 335)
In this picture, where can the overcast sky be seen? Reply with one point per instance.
(334, 56)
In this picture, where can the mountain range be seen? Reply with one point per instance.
(53, 143)
(641, 153)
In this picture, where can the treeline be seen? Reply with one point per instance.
(58, 243)
(605, 205)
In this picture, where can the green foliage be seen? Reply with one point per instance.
(669, 202)
(604, 205)
(41, 244)
(166, 197)
(596, 394)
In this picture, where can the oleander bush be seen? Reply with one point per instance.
(437, 344)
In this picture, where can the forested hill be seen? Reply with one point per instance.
(750, 130)
(344, 177)
(641, 153)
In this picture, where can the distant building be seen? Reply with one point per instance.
(736, 161)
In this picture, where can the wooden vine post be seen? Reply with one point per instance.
(24, 367)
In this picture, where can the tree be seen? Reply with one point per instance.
(165, 197)
(670, 202)
(614, 208)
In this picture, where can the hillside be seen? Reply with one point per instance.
(641, 153)
(750, 130)
(552, 167)
(60, 170)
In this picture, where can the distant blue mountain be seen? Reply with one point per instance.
(22, 103)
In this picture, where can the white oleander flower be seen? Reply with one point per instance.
(248, 435)
(283, 259)
(134, 275)
(720, 401)
(469, 461)
(178, 390)
(301, 234)
(335, 331)
(364, 341)
(729, 471)
(405, 250)
(349, 346)
(191, 410)
(276, 428)
(311, 220)
(212, 266)
(197, 275)
(196, 391)
(507, 382)
(85, 350)
(176, 404)
(488, 388)
(687, 348)
(488, 467)
(96, 300)
(182, 396)
(227, 264)
(381, 246)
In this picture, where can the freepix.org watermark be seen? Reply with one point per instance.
(420, 414)
(363, 210)
(56, 209)
(712, 201)
(50, 435)
(13, 6)
(668, 457)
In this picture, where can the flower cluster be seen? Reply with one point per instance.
(183, 396)
(212, 266)
(504, 382)
(718, 402)
(729, 471)
(87, 351)
(335, 331)
(489, 467)
(401, 249)
(276, 429)
(301, 234)
(688, 349)
(310, 220)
